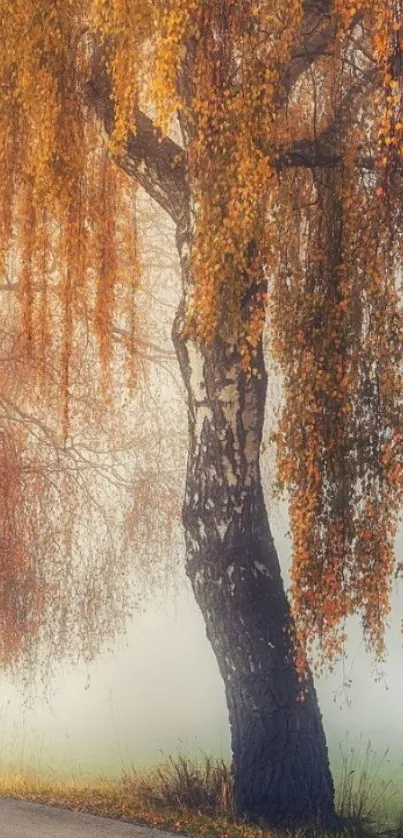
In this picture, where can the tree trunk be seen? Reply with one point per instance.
(280, 760)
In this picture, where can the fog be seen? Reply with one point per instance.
(158, 691)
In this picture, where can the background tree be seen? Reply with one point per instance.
(267, 131)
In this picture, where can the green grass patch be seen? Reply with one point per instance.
(195, 797)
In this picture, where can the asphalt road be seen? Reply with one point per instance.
(19, 819)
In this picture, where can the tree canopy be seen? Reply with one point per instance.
(284, 121)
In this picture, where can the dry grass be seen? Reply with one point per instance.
(195, 797)
(184, 785)
(185, 805)
(364, 799)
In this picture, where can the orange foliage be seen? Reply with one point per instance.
(336, 324)
(326, 234)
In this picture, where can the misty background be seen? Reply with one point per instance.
(158, 690)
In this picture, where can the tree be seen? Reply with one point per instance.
(267, 132)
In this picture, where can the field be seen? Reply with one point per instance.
(194, 797)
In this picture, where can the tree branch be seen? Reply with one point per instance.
(155, 162)
(305, 155)
(319, 152)
(158, 164)
(317, 30)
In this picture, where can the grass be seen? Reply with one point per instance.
(364, 799)
(195, 797)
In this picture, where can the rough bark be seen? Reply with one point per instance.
(280, 759)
